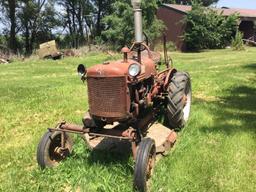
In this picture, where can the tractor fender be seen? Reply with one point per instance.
(168, 77)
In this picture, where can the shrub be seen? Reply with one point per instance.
(208, 29)
(237, 43)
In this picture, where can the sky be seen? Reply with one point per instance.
(249, 4)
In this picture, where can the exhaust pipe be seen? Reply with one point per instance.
(137, 20)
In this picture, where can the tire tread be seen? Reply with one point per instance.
(174, 109)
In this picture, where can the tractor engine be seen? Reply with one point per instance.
(117, 90)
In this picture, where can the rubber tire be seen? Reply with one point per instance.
(43, 150)
(180, 83)
(146, 147)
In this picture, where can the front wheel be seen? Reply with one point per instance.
(178, 100)
(49, 150)
(145, 160)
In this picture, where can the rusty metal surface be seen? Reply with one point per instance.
(119, 131)
(168, 144)
(71, 127)
(120, 68)
(109, 137)
(108, 93)
(108, 144)
(148, 68)
(156, 56)
(145, 123)
(125, 51)
(117, 137)
(163, 136)
(168, 77)
(134, 149)
(108, 97)
(106, 135)
(172, 137)
(114, 133)
(110, 69)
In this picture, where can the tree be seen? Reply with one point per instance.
(77, 17)
(9, 9)
(207, 29)
(119, 25)
(37, 19)
(103, 8)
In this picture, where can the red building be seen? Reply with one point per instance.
(173, 15)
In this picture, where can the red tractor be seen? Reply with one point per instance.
(128, 94)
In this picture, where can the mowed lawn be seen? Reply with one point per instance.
(215, 152)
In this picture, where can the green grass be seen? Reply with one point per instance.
(215, 152)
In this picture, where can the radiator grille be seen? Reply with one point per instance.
(108, 96)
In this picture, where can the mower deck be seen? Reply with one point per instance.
(164, 137)
(164, 140)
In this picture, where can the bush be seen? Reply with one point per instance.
(237, 43)
(208, 29)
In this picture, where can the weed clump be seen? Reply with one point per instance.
(237, 43)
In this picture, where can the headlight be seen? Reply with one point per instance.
(81, 70)
(134, 70)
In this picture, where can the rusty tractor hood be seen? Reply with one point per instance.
(120, 68)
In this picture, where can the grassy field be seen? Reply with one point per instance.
(215, 152)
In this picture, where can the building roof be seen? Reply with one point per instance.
(226, 11)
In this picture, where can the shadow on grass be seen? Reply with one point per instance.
(234, 113)
(105, 157)
(251, 66)
(110, 151)
(112, 158)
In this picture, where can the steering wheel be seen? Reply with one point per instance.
(138, 47)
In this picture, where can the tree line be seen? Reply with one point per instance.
(74, 23)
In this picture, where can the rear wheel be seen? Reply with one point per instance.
(145, 160)
(50, 152)
(178, 100)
